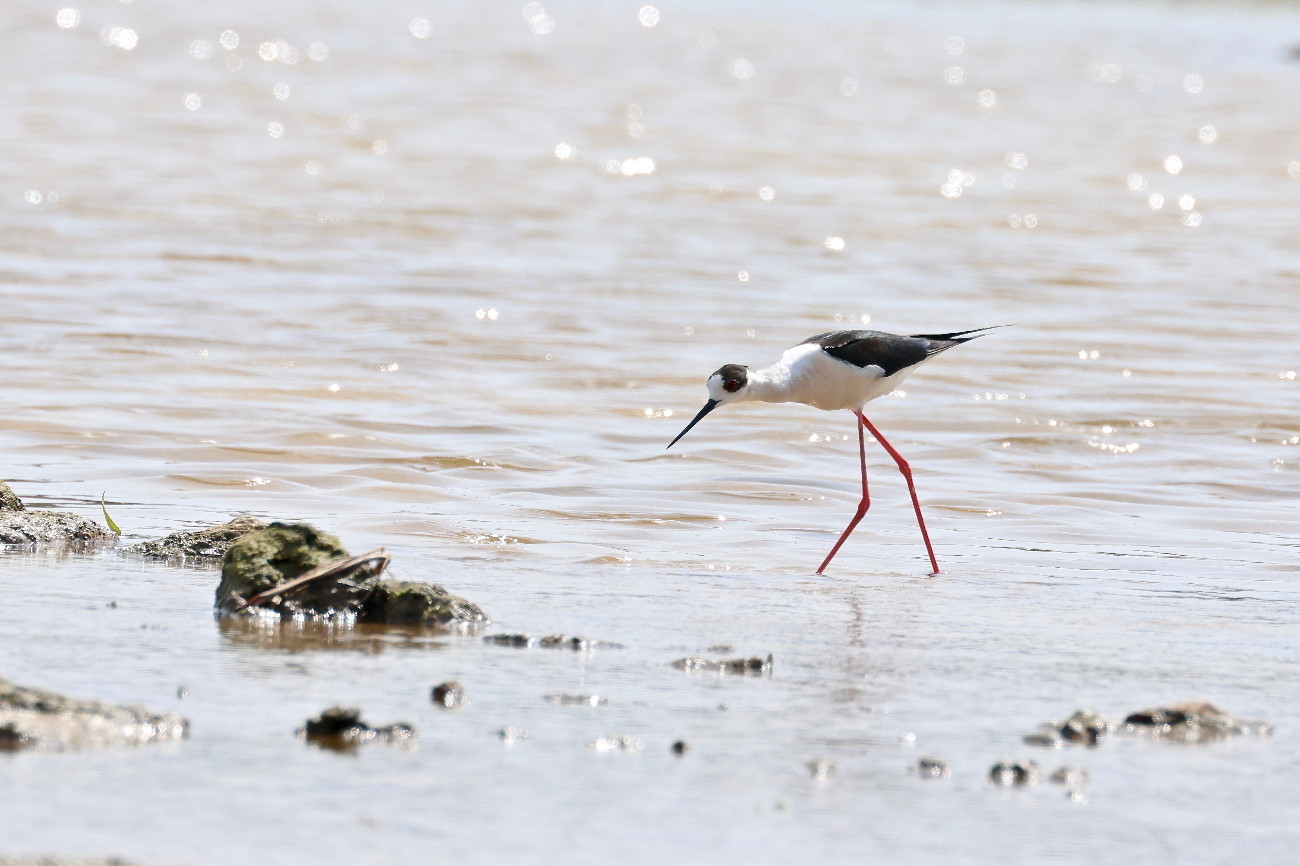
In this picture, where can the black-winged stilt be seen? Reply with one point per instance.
(838, 370)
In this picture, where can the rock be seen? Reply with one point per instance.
(1195, 722)
(342, 728)
(930, 768)
(282, 552)
(1015, 773)
(38, 719)
(9, 500)
(752, 665)
(1084, 726)
(1071, 777)
(680, 747)
(202, 544)
(404, 602)
(515, 639)
(449, 695)
(20, 526)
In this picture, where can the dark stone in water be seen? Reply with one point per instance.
(405, 602)
(21, 526)
(342, 728)
(38, 719)
(1015, 773)
(1195, 722)
(680, 747)
(448, 695)
(931, 768)
(516, 639)
(1071, 777)
(202, 544)
(1084, 726)
(753, 665)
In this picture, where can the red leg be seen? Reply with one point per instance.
(862, 506)
(911, 488)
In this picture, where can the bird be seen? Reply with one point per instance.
(839, 370)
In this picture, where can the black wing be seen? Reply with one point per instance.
(889, 352)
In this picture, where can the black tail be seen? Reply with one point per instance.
(942, 342)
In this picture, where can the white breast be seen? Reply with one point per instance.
(806, 374)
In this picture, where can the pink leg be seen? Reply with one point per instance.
(911, 488)
(862, 506)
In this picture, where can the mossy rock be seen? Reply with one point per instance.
(405, 602)
(203, 544)
(9, 500)
(20, 526)
(282, 552)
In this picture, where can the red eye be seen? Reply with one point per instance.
(731, 386)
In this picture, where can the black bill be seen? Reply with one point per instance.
(708, 407)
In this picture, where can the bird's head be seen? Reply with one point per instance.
(728, 384)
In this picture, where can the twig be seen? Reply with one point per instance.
(333, 569)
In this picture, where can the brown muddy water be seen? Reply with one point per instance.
(448, 277)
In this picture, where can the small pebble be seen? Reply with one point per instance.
(448, 695)
(680, 747)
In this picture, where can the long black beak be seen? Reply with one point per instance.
(708, 407)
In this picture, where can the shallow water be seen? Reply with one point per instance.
(407, 320)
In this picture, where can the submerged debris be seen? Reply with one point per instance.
(448, 695)
(38, 719)
(1195, 722)
(617, 744)
(932, 768)
(523, 640)
(577, 700)
(752, 665)
(201, 544)
(823, 768)
(18, 525)
(1084, 726)
(342, 728)
(1071, 777)
(1015, 773)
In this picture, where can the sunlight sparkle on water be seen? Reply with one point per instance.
(1193, 83)
(229, 40)
(1173, 164)
(565, 151)
(1186, 202)
(954, 45)
(123, 37)
(200, 49)
(987, 98)
(849, 86)
(1192, 220)
(834, 242)
(742, 69)
(192, 101)
(636, 165)
(743, 276)
(379, 147)
(1293, 169)
(275, 129)
(318, 52)
(1016, 160)
(420, 28)
(766, 193)
(954, 75)
(67, 18)
(1136, 182)
(1156, 201)
(538, 21)
(281, 91)
(648, 16)
(1207, 134)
